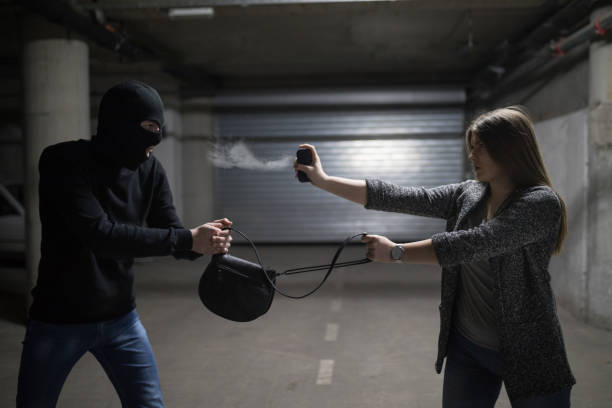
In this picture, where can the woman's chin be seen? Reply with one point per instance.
(480, 178)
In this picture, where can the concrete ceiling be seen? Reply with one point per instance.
(419, 41)
(407, 42)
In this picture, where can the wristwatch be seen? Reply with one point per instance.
(396, 253)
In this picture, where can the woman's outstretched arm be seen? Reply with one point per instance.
(353, 190)
(438, 202)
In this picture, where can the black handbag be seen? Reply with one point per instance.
(236, 289)
(239, 290)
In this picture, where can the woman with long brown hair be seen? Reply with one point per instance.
(498, 315)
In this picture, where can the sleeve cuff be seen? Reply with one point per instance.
(184, 240)
(372, 193)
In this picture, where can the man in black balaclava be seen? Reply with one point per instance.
(95, 200)
(121, 137)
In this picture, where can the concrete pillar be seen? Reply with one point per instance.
(197, 169)
(56, 109)
(600, 182)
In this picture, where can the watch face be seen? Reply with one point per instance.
(396, 253)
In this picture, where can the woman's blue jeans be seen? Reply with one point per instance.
(120, 345)
(472, 378)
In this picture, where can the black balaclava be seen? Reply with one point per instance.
(120, 137)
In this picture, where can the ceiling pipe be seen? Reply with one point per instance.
(510, 56)
(534, 65)
(590, 32)
(576, 11)
(105, 35)
(539, 73)
(558, 50)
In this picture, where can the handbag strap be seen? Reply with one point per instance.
(330, 267)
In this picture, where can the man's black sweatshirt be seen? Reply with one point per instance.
(96, 218)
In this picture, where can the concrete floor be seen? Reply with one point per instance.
(384, 351)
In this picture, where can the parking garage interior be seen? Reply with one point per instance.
(384, 90)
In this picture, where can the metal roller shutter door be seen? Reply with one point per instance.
(404, 146)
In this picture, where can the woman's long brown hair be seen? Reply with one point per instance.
(509, 138)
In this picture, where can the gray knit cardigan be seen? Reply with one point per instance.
(518, 242)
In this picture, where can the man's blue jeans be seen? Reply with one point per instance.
(472, 378)
(121, 346)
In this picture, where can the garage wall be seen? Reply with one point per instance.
(560, 139)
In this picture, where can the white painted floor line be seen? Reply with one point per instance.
(336, 305)
(331, 332)
(326, 372)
